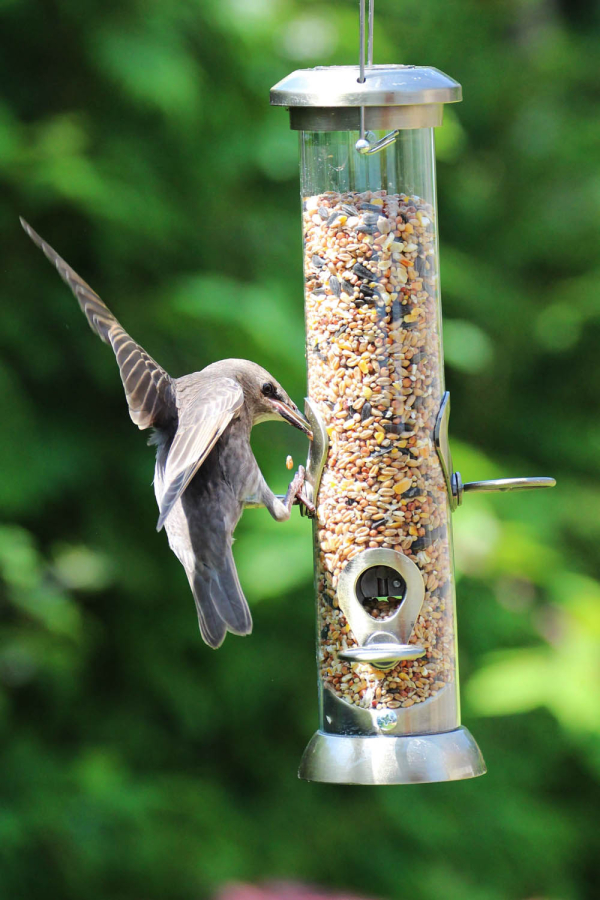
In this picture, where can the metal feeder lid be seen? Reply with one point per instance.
(335, 86)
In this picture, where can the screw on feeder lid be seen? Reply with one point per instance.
(330, 98)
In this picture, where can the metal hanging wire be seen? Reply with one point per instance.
(369, 51)
(363, 144)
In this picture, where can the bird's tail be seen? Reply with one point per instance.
(148, 388)
(220, 602)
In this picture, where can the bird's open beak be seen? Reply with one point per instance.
(293, 416)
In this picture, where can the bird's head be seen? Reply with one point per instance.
(266, 399)
(273, 403)
(270, 401)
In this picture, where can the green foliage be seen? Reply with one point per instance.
(138, 139)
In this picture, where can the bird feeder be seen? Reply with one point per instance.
(380, 471)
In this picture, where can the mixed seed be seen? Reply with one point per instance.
(375, 372)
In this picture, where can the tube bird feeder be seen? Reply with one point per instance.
(379, 470)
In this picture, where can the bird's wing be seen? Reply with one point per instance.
(201, 424)
(148, 388)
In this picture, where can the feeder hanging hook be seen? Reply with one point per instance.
(363, 144)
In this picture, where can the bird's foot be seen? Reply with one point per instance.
(298, 494)
(306, 507)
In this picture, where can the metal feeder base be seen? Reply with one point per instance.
(406, 759)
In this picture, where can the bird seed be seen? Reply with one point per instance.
(375, 372)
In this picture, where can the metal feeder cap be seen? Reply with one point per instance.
(326, 86)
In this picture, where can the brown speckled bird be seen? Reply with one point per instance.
(205, 469)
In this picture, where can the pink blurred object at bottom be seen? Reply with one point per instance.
(281, 890)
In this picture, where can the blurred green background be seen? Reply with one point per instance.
(135, 763)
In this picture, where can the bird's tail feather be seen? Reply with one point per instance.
(220, 602)
(212, 627)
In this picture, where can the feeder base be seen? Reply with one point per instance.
(383, 759)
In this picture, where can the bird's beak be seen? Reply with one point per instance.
(293, 416)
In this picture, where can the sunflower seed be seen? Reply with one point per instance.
(370, 206)
(362, 271)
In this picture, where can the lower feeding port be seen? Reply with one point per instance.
(366, 583)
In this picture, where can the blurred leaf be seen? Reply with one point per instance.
(275, 558)
(19, 561)
(80, 568)
(259, 312)
(450, 141)
(466, 346)
(511, 683)
(154, 69)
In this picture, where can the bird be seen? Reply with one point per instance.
(205, 469)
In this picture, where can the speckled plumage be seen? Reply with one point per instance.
(205, 468)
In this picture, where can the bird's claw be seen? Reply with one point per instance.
(306, 507)
(297, 492)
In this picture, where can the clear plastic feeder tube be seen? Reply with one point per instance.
(375, 372)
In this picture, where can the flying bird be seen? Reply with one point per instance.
(205, 469)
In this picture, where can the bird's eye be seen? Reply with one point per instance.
(268, 389)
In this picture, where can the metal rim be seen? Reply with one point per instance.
(377, 118)
(410, 759)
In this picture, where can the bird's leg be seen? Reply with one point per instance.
(281, 509)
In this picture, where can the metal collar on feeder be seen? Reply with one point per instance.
(380, 468)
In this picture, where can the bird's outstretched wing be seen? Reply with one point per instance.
(201, 424)
(148, 388)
